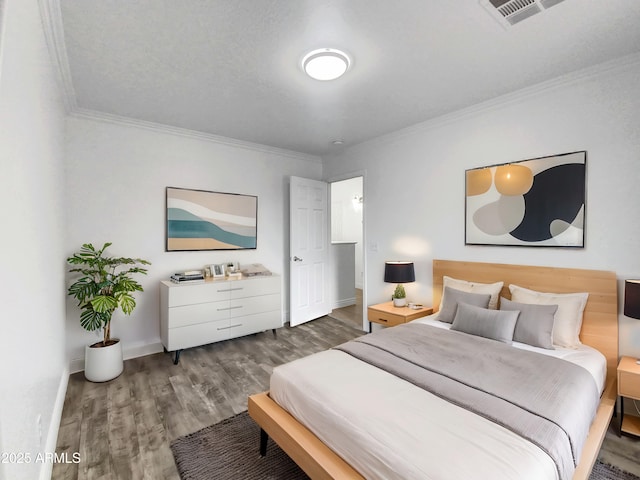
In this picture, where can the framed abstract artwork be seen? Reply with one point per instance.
(538, 202)
(203, 220)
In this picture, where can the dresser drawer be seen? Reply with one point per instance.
(250, 305)
(629, 385)
(200, 293)
(200, 334)
(384, 318)
(254, 323)
(250, 287)
(198, 313)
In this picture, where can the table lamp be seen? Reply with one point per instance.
(399, 272)
(632, 300)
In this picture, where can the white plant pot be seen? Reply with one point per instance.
(102, 364)
(399, 302)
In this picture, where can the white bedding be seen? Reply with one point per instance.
(388, 428)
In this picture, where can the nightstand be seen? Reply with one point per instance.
(628, 387)
(388, 315)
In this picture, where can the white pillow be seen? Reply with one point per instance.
(492, 289)
(567, 319)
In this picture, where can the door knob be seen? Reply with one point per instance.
(297, 259)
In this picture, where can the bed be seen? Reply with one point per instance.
(598, 333)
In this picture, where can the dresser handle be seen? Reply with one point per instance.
(230, 290)
(229, 308)
(230, 326)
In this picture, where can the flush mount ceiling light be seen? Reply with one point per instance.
(325, 64)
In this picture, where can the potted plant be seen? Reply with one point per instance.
(399, 296)
(105, 285)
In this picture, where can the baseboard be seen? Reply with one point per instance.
(76, 365)
(54, 427)
(142, 349)
(129, 351)
(345, 302)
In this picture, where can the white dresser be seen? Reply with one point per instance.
(197, 314)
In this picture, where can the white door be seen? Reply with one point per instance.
(308, 250)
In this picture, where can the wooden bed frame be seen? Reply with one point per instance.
(599, 330)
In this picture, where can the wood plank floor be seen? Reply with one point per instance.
(122, 429)
(352, 313)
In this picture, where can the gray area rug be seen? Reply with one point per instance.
(229, 451)
(602, 471)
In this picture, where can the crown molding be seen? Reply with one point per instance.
(579, 76)
(187, 133)
(54, 38)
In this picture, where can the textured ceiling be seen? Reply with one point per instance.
(232, 67)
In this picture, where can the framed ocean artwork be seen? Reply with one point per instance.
(203, 220)
(538, 202)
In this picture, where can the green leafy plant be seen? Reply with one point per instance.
(399, 292)
(105, 285)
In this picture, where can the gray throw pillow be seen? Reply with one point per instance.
(535, 323)
(453, 297)
(494, 324)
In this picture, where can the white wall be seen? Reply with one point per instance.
(116, 180)
(32, 339)
(346, 219)
(597, 111)
(343, 284)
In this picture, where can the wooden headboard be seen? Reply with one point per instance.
(600, 320)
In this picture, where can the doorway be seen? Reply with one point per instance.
(347, 252)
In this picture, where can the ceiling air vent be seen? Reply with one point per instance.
(510, 12)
